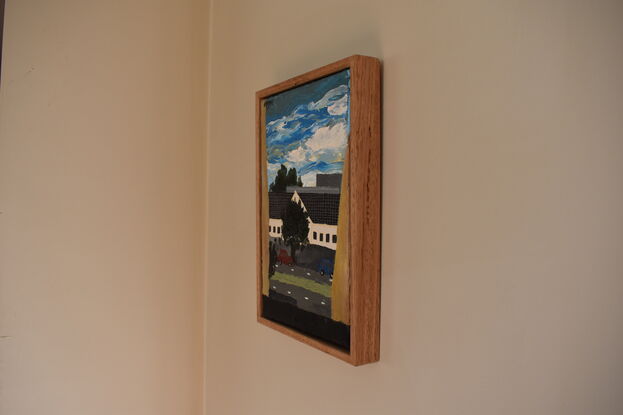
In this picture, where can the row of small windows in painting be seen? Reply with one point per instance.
(325, 237)
(274, 229)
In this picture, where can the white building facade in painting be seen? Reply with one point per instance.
(320, 203)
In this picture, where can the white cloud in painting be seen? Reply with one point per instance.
(298, 155)
(339, 107)
(327, 144)
(279, 124)
(329, 98)
(278, 129)
(329, 137)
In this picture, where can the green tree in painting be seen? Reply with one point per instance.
(295, 227)
(284, 179)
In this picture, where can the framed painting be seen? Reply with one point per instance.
(319, 208)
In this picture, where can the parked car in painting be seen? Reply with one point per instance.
(284, 258)
(325, 267)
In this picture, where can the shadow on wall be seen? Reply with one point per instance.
(366, 44)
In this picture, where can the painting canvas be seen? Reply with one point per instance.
(306, 132)
(319, 208)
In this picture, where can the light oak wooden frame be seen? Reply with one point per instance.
(364, 165)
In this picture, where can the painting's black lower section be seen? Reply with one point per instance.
(310, 324)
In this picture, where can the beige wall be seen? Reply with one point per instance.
(502, 228)
(503, 208)
(102, 207)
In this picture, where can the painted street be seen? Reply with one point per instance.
(303, 272)
(305, 299)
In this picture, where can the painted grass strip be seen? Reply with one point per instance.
(322, 289)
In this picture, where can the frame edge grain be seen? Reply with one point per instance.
(365, 211)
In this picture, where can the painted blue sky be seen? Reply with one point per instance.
(307, 127)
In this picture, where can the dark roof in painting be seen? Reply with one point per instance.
(329, 180)
(277, 201)
(323, 208)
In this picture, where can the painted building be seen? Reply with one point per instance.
(321, 206)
